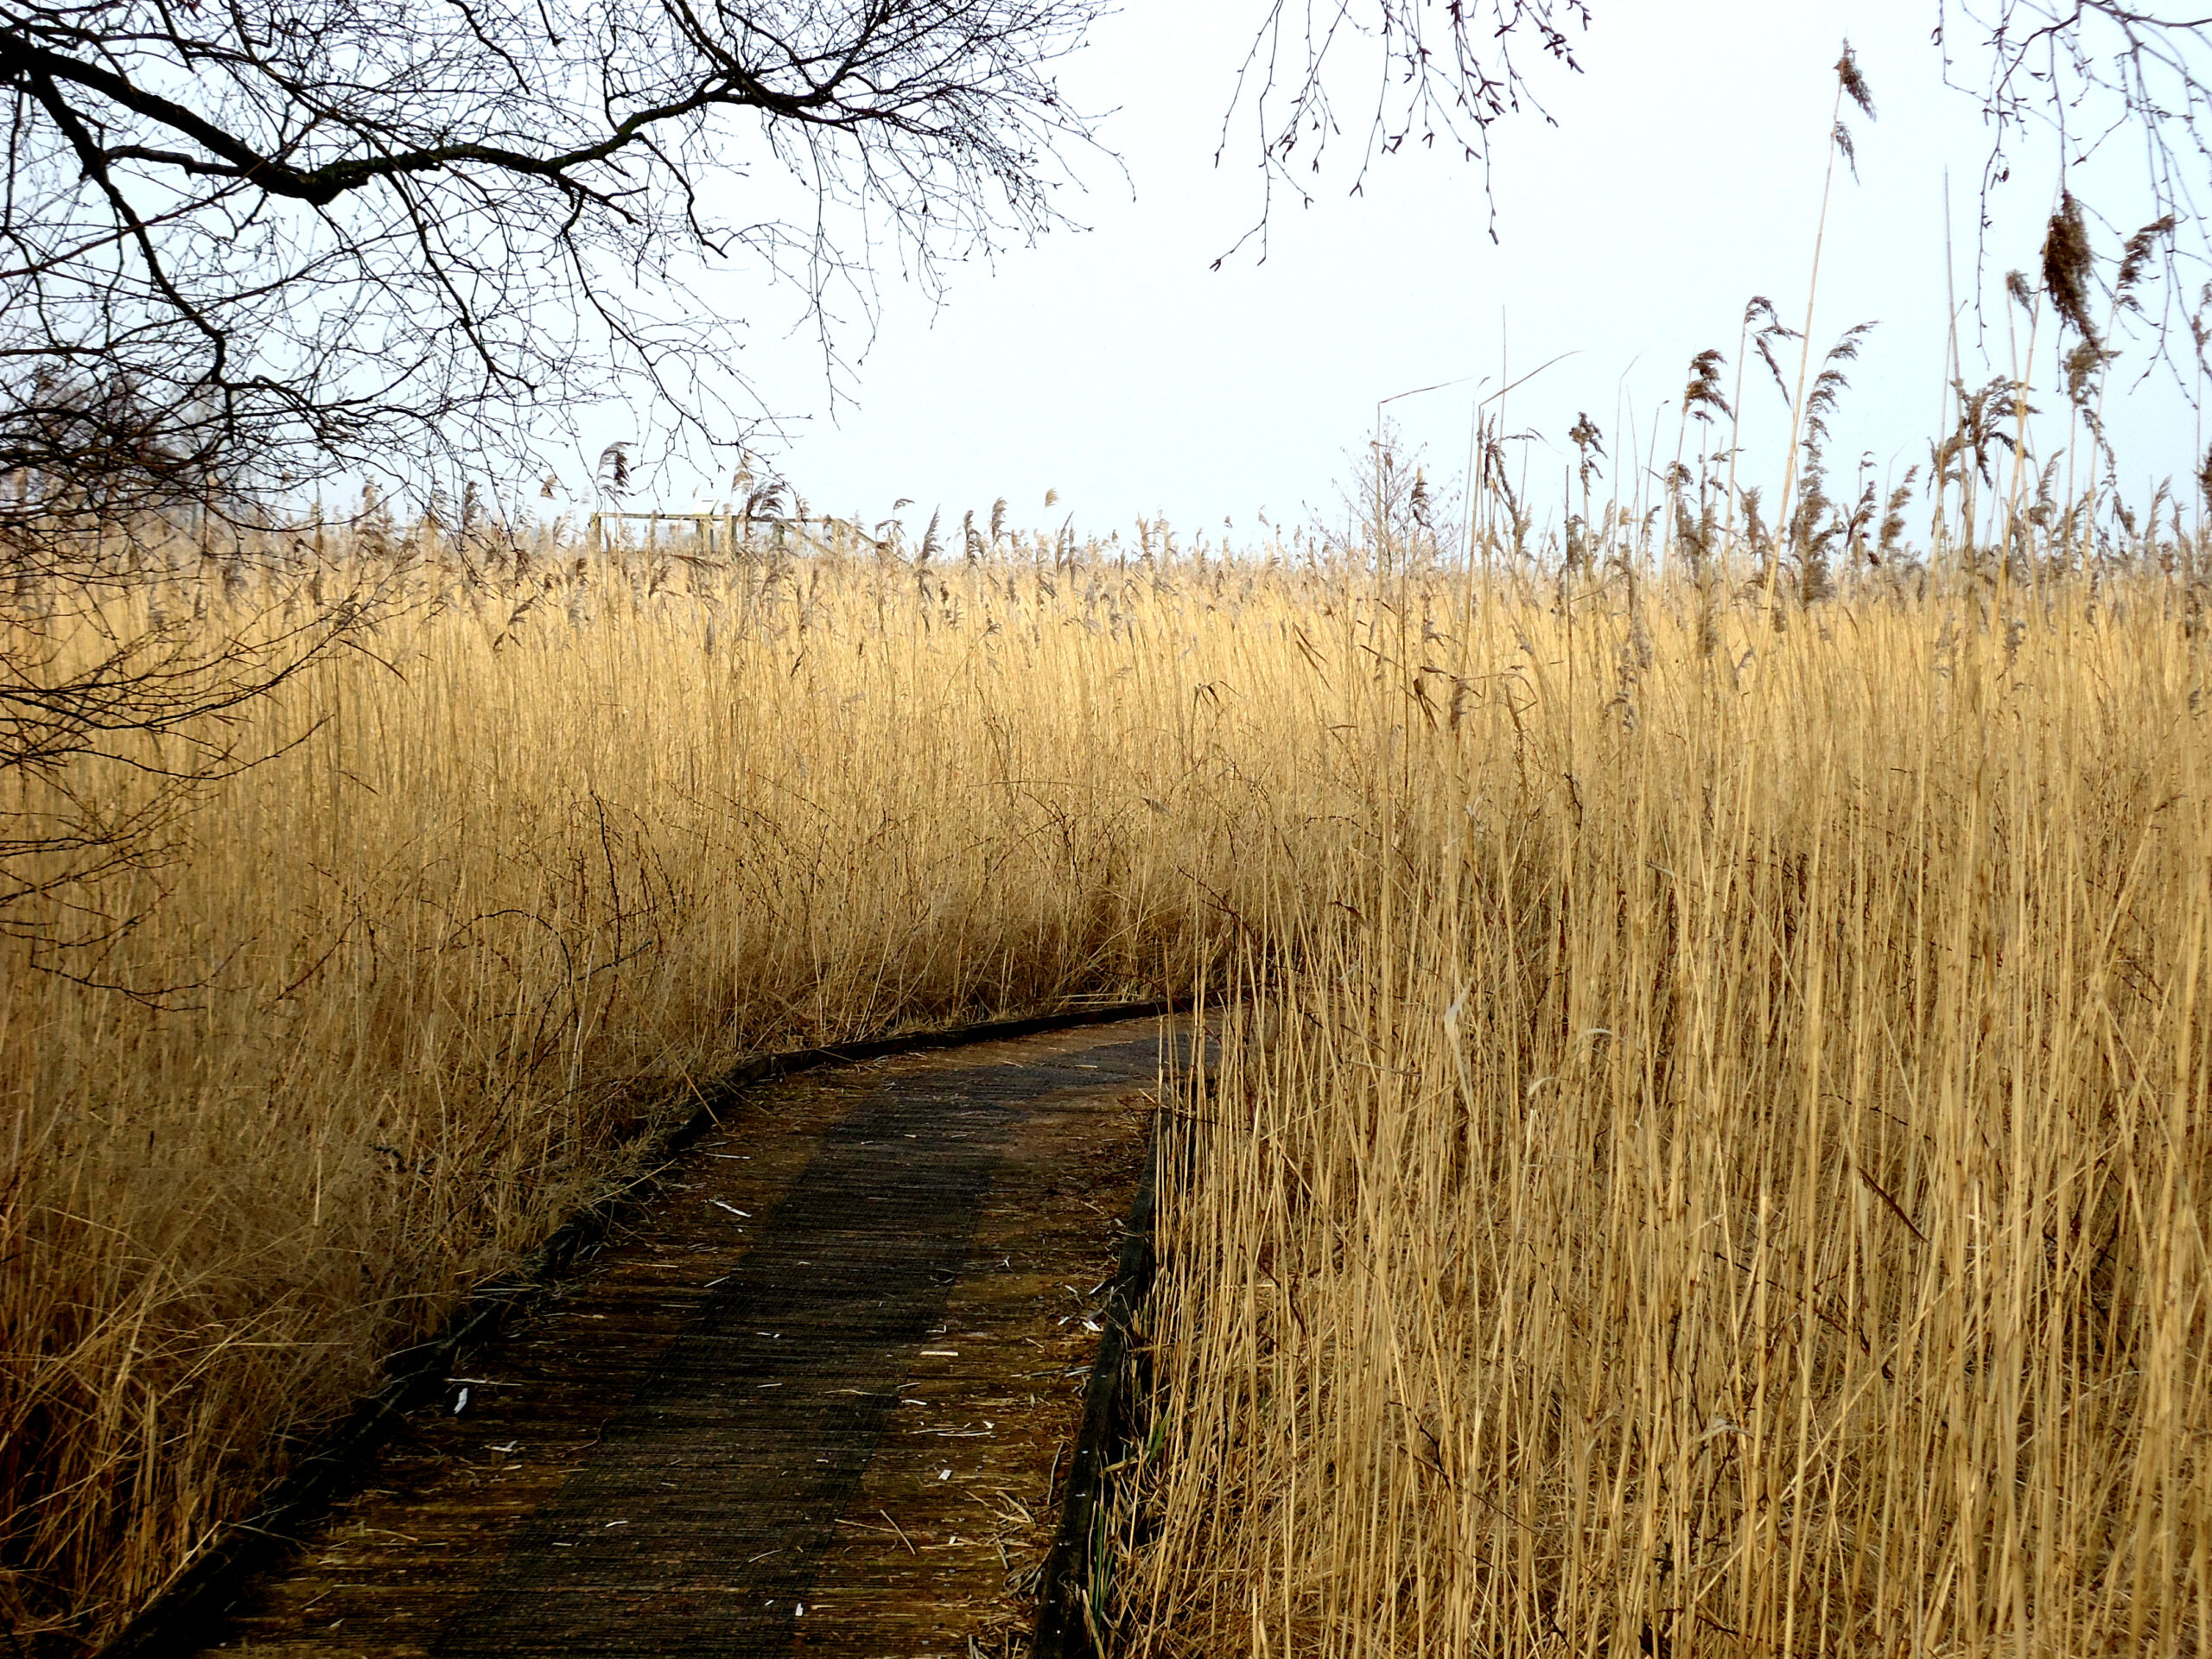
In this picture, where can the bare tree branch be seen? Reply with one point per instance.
(1421, 76)
(257, 244)
(2078, 76)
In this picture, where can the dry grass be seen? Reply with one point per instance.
(567, 833)
(1721, 1167)
(1709, 1157)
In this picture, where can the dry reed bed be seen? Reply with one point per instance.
(1710, 1158)
(561, 835)
(1721, 1168)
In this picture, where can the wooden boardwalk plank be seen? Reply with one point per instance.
(811, 1402)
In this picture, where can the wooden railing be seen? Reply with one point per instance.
(727, 533)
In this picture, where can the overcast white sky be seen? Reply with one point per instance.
(1683, 176)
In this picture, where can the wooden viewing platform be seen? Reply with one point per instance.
(815, 1396)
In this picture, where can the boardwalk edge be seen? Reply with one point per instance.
(1066, 1628)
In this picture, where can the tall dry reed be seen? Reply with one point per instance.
(1721, 1167)
(1709, 1149)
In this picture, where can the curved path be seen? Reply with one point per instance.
(813, 1400)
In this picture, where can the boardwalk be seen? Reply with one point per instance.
(813, 1401)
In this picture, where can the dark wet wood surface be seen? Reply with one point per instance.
(811, 1399)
